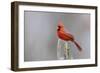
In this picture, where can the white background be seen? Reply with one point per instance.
(5, 34)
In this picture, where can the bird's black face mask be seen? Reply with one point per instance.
(59, 28)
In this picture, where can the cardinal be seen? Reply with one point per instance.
(66, 36)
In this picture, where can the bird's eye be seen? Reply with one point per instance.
(58, 26)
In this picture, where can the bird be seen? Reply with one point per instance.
(65, 35)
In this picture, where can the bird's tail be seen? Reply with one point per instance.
(78, 46)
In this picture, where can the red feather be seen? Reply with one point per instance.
(66, 36)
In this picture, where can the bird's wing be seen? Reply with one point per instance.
(66, 36)
(69, 35)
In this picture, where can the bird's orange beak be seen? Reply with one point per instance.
(57, 27)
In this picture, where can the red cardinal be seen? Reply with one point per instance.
(66, 36)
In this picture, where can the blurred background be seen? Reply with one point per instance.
(41, 34)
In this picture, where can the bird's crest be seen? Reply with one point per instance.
(60, 23)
